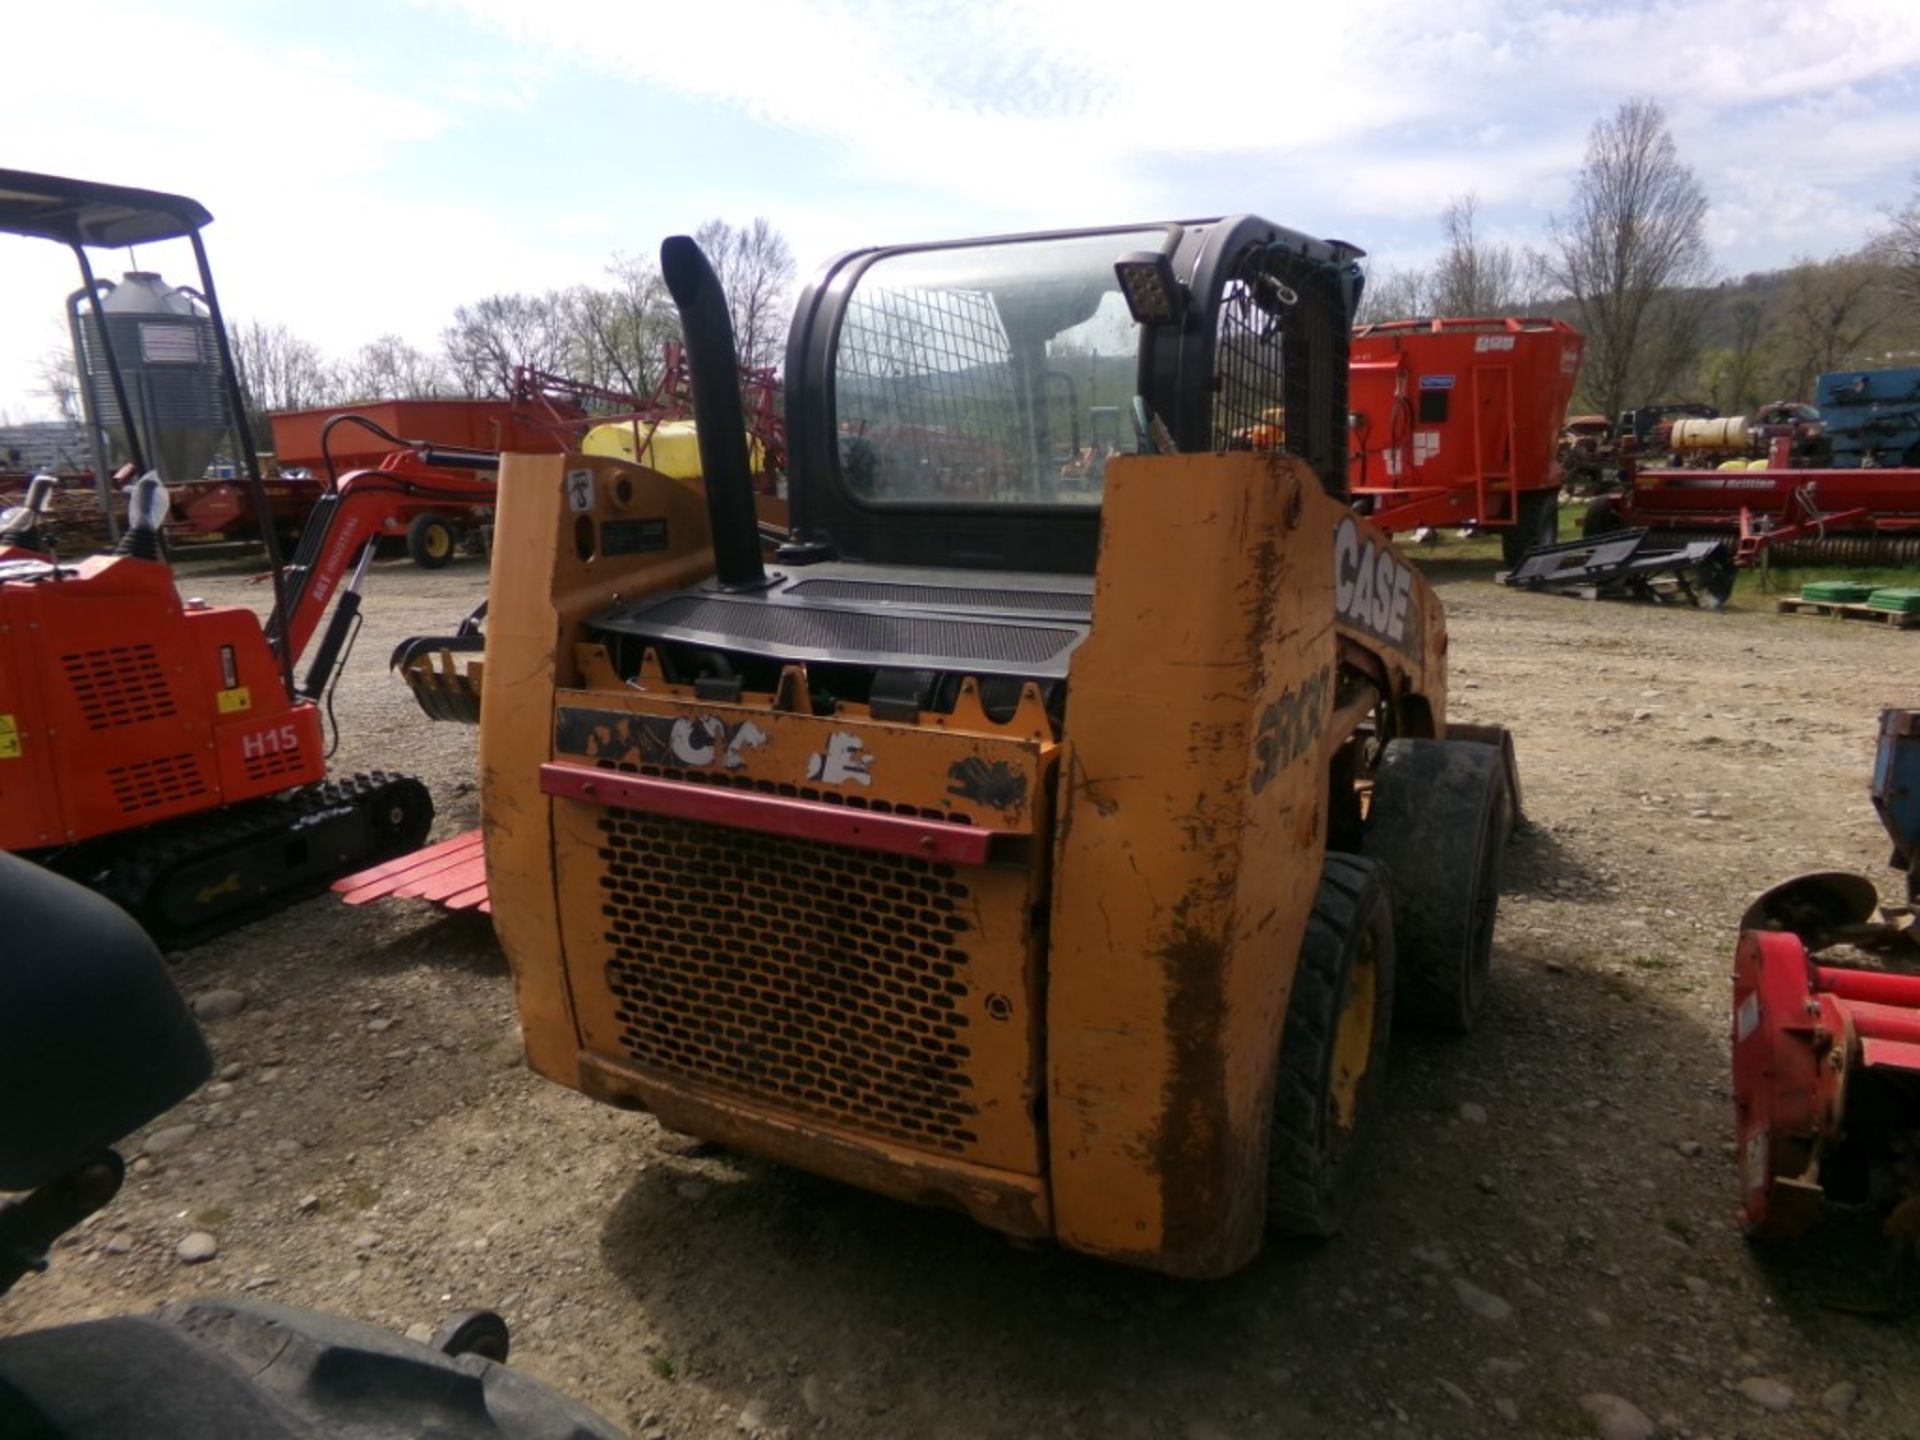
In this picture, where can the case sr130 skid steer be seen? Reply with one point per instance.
(1047, 833)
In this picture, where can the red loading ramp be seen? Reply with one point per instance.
(451, 874)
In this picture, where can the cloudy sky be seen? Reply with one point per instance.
(371, 165)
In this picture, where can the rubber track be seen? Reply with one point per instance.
(134, 874)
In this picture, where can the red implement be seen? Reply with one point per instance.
(1778, 506)
(451, 874)
(1806, 1038)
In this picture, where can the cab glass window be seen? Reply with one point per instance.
(990, 374)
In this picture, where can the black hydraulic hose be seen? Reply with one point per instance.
(346, 611)
(333, 683)
(460, 459)
(351, 417)
(713, 370)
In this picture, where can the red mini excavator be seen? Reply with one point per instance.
(158, 748)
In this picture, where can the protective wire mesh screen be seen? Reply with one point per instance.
(1280, 362)
(989, 373)
(811, 977)
(930, 375)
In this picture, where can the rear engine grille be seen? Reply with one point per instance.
(120, 686)
(818, 979)
(149, 784)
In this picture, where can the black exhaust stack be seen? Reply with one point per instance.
(713, 369)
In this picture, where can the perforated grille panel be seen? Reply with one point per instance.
(278, 762)
(823, 980)
(149, 784)
(123, 685)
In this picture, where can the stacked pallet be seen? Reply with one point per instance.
(1897, 606)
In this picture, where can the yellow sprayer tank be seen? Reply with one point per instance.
(670, 446)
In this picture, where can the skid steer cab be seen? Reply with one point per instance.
(1045, 833)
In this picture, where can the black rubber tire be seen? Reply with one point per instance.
(1439, 821)
(473, 1332)
(432, 541)
(1602, 517)
(1536, 522)
(1312, 1156)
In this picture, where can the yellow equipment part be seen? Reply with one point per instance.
(1036, 976)
(670, 446)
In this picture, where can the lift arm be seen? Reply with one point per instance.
(353, 515)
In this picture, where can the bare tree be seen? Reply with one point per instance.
(60, 383)
(1474, 276)
(391, 369)
(1733, 374)
(278, 369)
(1899, 247)
(756, 269)
(1827, 312)
(1394, 294)
(1631, 256)
(616, 335)
(490, 337)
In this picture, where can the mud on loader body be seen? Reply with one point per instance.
(1003, 845)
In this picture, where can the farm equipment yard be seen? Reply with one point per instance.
(1549, 1211)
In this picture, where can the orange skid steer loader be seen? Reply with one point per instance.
(1046, 840)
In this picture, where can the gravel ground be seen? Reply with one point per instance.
(1546, 1248)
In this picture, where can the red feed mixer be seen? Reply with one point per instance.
(1826, 1052)
(1457, 421)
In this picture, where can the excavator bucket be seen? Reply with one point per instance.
(444, 686)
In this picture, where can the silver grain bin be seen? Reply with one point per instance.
(169, 361)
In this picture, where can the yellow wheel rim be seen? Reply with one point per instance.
(439, 542)
(1353, 1039)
